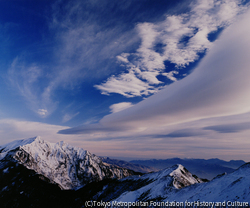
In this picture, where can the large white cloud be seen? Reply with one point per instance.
(219, 86)
(147, 63)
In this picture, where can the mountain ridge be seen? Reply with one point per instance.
(26, 179)
(203, 168)
(68, 166)
(128, 165)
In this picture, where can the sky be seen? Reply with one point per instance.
(128, 79)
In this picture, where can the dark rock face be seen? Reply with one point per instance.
(21, 187)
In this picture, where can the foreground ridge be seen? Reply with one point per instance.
(229, 190)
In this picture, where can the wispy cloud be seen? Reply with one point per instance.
(179, 39)
(81, 43)
(68, 117)
(27, 79)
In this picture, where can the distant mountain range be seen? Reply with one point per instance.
(36, 173)
(202, 168)
(207, 169)
(129, 165)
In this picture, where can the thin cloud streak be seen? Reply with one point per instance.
(187, 139)
(67, 117)
(183, 133)
(229, 128)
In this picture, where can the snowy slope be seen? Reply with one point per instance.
(175, 184)
(161, 184)
(4, 149)
(229, 187)
(70, 167)
(208, 169)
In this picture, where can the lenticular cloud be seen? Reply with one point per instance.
(219, 86)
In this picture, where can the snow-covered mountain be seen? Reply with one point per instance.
(208, 169)
(152, 186)
(68, 166)
(33, 173)
(160, 184)
(231, 189)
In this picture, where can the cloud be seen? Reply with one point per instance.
(11, 129)
(229, 128)
(88, 36)
(179, 39)
(219, 86)
(183, 133)
(188, 139)
(68, 117)
(139, 145)
(123, 57)
(126, 84)
(170, 75)
(42, 112)
(120, 106)
(26, 80)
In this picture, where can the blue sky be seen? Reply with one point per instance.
(127, 79)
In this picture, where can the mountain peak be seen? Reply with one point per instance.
(160, 184)
(70, 167)
(17, 143)
(182, 177)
